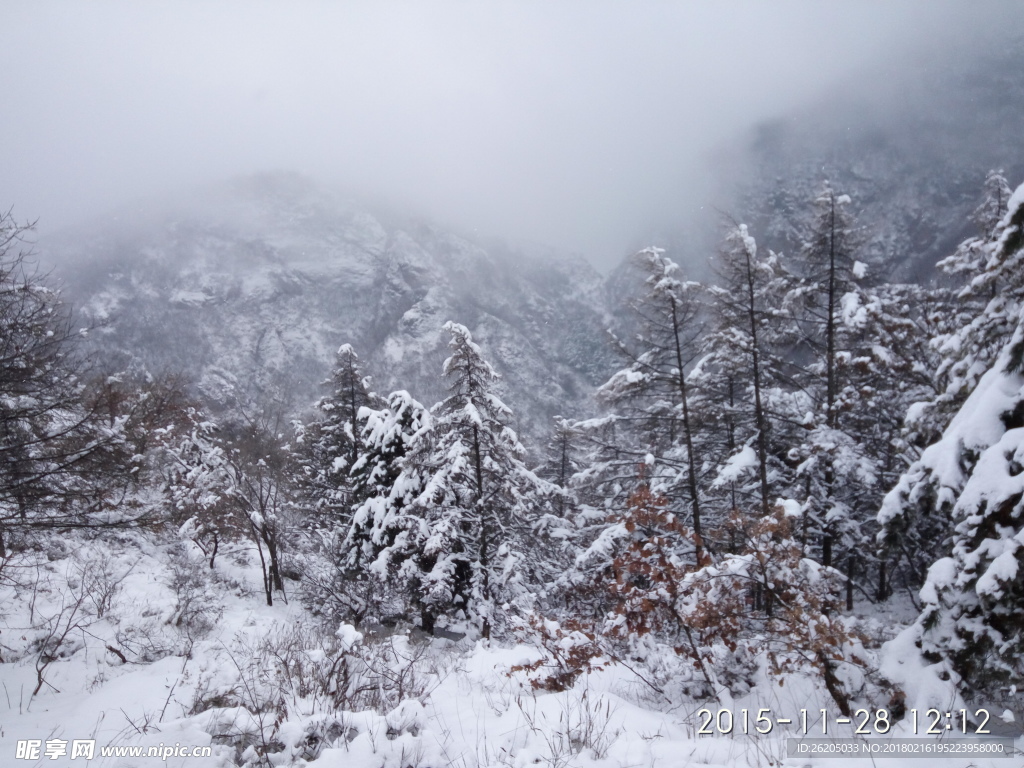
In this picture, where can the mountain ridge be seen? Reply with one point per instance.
(252, 290)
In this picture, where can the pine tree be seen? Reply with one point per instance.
(973, 616)
(562, 462)
(330, 446)
(379, 536)
(742, 360)
(478, 499)
(990, 299)
(919, 508)
(556, 532)
(364, 572)
(652, 398)
(831, 273)
(843, 373)
(891, 369)
(990, 212)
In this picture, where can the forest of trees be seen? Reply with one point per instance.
(781, 445)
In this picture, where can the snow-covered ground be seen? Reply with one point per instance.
(147, 646)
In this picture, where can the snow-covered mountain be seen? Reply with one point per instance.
(912, 154)
(251, 288)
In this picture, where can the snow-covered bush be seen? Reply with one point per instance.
(770, 603)
(196, 605)
(292, 690)
(101, 577)
(568, 650)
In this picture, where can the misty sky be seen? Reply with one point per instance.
(580, 124)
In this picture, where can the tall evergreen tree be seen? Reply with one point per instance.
(742, 359)
(993, 207)
(920, 507)
(379, 536)
(478, 499)
(652, 398)
(989, 300)
(330, 445)
(972, 623)
(891, 367)
(973, 616)
(557, 533)
(831, 340)
(562, 462)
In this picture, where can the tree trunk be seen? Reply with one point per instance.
(883, 583)
(851, 564)
(426, 620)
(484, 542)
(760, 419)
(691, 466)
(267, 585)
(833, 684)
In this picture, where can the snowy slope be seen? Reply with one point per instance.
(182, 655)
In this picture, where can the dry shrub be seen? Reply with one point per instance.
(770, 599)
(570, 650)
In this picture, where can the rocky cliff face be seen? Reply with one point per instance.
(251, 288)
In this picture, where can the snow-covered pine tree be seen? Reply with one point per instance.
(478, 499)
(832, 463)
(916, 514)
(383, 534)
(972, 621)
(651, 398)
(330, 445)
(969, 258)
(989, 301)
(559, 528)
(975, 324)
(992, 209)
(601, 487)
(562, 462)
(843, 371)
(973, 616)
(741, 365)
(891, 370)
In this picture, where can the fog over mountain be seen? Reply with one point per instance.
(591, 127)
(912, 158)
(250, 285)
(250, 288)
